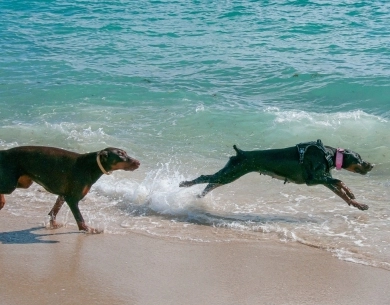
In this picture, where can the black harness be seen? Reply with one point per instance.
(302, 147)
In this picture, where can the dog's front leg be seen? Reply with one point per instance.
(74, 207)
(54, 211)
(340, 189)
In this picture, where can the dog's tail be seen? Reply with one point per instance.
(238, 151)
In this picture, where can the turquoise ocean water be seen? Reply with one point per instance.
(177, 83)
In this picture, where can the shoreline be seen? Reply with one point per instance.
(41, 266)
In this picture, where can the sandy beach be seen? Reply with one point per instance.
(40, 266)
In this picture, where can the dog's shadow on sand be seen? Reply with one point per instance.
(28, 236)
(200, 216)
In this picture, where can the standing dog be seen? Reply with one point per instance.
(67, 174)
(308, 163)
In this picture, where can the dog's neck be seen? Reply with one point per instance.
(336, 152)
(100, 165)
(88, 164)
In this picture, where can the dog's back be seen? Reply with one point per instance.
(39, 158)
(38, 163)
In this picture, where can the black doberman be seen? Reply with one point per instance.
(67, 174)
(308, 163)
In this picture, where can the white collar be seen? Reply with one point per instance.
(100, 165)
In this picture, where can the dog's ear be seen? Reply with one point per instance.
(103, 154)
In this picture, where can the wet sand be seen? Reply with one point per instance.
(40, 266)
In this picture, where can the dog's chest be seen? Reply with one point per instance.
(273, 175)
(292, 178)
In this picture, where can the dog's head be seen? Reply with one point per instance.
(114, 158)
(353, 162)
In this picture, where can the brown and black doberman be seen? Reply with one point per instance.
(308, 163)
(67, 174)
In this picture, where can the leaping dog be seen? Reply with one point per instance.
(308, 163)
(67, 174)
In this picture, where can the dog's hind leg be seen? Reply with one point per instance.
(234, 169)
(54, 211)
(24, 182)
(208, 189)
(199, 180)
(2, 201)
(7, 186)
(226, 175)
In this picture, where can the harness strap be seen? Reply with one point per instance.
(302, 147)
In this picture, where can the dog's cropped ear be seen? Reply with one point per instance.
(103, 154)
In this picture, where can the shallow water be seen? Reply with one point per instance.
(176, 85)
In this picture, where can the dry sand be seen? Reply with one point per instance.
(40, 266)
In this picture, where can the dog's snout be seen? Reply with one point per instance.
(368, 165)
(135, 162)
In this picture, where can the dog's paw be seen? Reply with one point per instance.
(362, 207)
(53, 225)
(90, 230)
(93, 231)
(87, 229)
